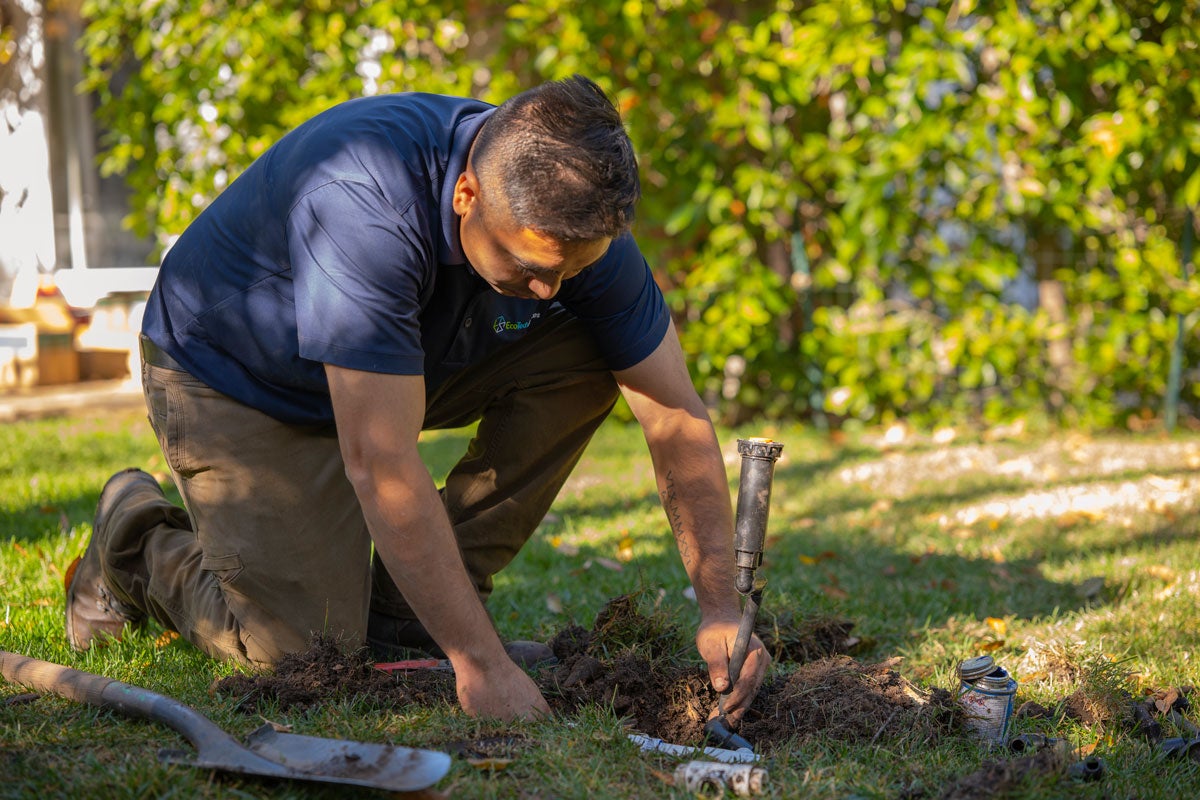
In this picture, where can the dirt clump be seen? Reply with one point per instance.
(1004, 777)
(839, 698)
(630, 662)
(669, 702)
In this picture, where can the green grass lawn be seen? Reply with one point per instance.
(1086, 549)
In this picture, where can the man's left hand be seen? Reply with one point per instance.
(715, 641)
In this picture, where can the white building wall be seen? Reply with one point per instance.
(26, 201)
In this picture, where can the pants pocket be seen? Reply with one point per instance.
(225, 568)
(167, 403)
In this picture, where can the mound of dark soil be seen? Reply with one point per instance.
(640, 666)
(329, 671)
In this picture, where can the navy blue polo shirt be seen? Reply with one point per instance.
(339, 245)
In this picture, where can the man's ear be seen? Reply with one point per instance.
(466, 191)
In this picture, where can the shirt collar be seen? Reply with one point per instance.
(460, 147)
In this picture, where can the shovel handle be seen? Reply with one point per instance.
(97, 690)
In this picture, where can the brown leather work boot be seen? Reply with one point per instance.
(92, 610)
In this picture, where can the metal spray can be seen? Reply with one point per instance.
(986, 691)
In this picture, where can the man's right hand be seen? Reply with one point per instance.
(502, 691)
(379, 421)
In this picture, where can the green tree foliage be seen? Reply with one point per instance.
(192, 91)
(863, 208)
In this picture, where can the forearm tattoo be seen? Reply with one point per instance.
(670, 501)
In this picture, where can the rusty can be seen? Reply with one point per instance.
(986, 692)
(744, 780)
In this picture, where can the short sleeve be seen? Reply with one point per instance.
(360, 269)
(619, 301)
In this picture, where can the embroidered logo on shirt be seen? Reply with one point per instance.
(501, 324)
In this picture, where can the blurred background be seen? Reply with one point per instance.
(863, 212)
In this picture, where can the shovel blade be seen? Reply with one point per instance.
(312, 758)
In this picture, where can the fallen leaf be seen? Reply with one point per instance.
(888, 570)
(554, 604)
(625, 549)
(1166, 699)
(920, 559)
(998, 625)
(806, 522)
(836, 592)
(1075, 517)
(1159, 507)
(665, 777)
(991, 645)
(165, 638)
(493, 764)
(1161, 572)
(608, 563)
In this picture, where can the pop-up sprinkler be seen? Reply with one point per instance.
(754, 501)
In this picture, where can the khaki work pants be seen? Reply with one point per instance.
(273, 548)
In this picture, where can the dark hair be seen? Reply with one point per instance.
(562, 161)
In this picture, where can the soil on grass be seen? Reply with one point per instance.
(640, 666)
(329, 671)
(1001, 777)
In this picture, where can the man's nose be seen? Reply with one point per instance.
(545, 288)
